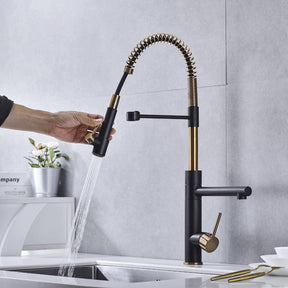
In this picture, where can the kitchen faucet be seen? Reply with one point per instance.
(195, 239)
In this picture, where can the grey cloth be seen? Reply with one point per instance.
(5, 108)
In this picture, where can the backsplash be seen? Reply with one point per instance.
(69, 55)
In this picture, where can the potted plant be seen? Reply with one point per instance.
(45, 168)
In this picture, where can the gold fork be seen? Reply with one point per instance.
(243, 272)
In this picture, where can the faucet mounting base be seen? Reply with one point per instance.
(193, 263)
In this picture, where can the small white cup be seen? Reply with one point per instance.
(282, 252)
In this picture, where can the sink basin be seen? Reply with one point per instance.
(115, 273)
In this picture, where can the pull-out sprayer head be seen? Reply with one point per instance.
(101, 142)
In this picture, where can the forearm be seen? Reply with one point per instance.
(26, 119)
(69, 126)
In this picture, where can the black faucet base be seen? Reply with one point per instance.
(193, 216)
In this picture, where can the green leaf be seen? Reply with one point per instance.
(58, 164)
(35, 166)
(30, 160)
(51, 153)
(32, 141)
(66, 157)
(40, 159)
(52, 165)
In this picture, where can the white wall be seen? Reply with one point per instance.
(69, 55)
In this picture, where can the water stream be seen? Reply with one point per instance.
(80, 217)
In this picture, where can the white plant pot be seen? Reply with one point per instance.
(45, 181)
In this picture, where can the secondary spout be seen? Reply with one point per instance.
(239, 192)
(195, 239)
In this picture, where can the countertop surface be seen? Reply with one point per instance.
(200, 275)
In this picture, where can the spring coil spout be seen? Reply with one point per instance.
(161, 37)
(101, 142)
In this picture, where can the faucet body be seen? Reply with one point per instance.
(193, 177)
(193, 210)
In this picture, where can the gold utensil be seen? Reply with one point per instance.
(254, 275)
(243, 272)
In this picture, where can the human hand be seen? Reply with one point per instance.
(71, 126)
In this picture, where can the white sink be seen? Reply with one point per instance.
(114, 273)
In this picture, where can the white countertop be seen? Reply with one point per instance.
(25, 200)
(201, 274)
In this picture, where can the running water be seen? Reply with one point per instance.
(80, 217)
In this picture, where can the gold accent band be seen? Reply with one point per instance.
(114, 101)
(193, 131)
(192, 91)
(128, 69)
(193, 148)
(193, 263)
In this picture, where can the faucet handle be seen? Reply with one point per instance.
(208, 241)
(217, 224)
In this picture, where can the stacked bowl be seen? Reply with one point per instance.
(280, 259)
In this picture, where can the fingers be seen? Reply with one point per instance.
(96, 132)
(98, 119)
(95, 116)
(91, 134)
(92, 121)
(113, 131)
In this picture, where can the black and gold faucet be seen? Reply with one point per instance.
(195, 239)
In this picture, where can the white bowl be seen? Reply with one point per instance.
(278, 272)
(282, 252)
(274, 260)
